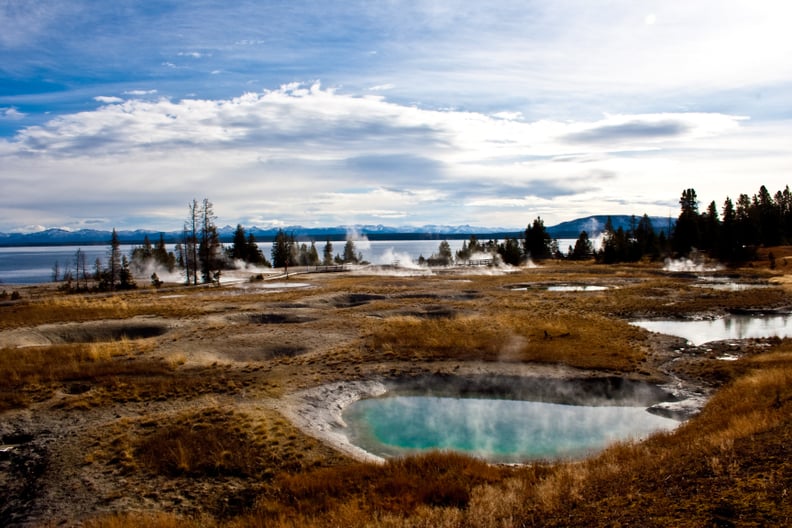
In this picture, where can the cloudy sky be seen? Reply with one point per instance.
(117, 114)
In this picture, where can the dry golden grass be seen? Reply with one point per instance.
(215, 442)
(146, 520)
(727, 467)
(586, 341)
(99, 374)
(73, 308)
(31, 374)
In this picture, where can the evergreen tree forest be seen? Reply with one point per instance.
(731, 236)
(731, 233)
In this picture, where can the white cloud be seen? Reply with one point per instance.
(108, 99)
(140, 92)
(508, 116)
(11, 114)
(36, 228)
(311, 123)
(306, 154)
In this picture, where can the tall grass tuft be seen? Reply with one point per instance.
(586, 341)
(32, 374)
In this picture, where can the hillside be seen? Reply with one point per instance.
(593, 225)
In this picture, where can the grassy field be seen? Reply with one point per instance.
(172, 402)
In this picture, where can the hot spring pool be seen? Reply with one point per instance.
(498, 430)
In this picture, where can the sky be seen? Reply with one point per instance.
(326, 113)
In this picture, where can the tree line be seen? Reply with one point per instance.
(732, 236)
(115, 274)
(198, 256)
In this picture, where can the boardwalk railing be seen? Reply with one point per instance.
(331, 269)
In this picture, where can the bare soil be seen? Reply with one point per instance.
(280, 365)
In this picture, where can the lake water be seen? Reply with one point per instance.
(496, 430)
(731, 327)
(31, 265)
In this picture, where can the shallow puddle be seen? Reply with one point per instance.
(576, 288)
(560, 287)
(731, 327)
(726, 284)
(494, 429)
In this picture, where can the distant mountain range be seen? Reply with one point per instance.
(593, 225)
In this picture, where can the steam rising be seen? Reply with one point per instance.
(689, 266)
(398, 259)
(506, 419)
(361, 241)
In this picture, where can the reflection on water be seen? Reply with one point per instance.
(732, 327)
(727, 284)
(497, 430)
(731, 286)
(576, 288)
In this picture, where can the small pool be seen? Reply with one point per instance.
(498, 430)
(560, 287)
(576, 288)
(730, 327)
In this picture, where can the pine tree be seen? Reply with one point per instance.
(114, 261)
(444, 254)
(209, 248)
(784, 201)
(313, 255)
(327, 254)
(349, 253)
(190, 242)
(687, 230)
(747, 225)
(162, 256)
(769, 215)
(254, 254)
(710, 228)
(608, 252)
(240, 250)
(583, 247)
(510, 251)
(537, 243)
(645, 238)
(125, 278)
(281, 250)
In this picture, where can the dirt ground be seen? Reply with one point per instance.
(285, 356)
